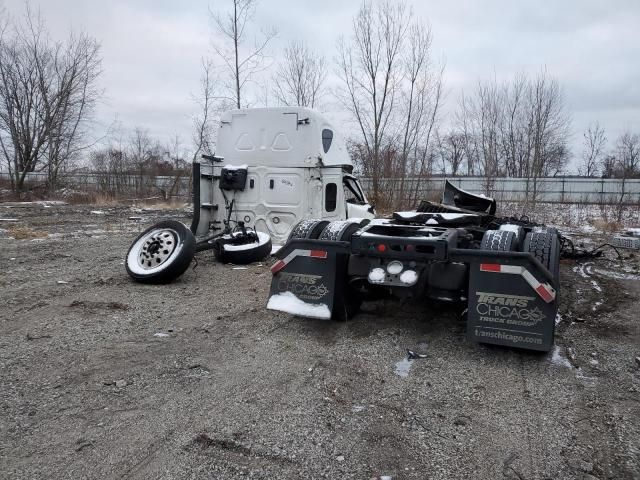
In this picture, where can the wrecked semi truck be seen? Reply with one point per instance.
(504, 270)
(273, 167)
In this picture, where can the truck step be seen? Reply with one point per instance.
(211, 206)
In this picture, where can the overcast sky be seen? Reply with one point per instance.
(152, 49)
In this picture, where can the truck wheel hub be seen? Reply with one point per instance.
(156, 248)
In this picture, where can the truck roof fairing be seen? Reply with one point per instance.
(280, 137)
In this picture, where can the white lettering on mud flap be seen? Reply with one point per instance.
(306, 287)
(513, 310)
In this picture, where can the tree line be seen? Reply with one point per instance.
(384, 75)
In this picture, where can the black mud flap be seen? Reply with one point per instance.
(512, 302)
(309, 279)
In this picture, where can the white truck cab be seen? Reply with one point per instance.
(274, 167)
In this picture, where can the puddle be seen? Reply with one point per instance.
(403, 367)
(558, 357)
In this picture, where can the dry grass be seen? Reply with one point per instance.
(26, 233)
(606, 226)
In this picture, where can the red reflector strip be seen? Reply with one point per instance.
(276, 267)
(280, 264)
(547, 293)
(490, 267)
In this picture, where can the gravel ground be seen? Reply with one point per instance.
(104, 378)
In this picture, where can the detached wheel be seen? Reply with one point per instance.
(247, 253)
(161, 253)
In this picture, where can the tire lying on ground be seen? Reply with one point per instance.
(247, 253)
(161, 253)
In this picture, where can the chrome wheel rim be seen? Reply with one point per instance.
(156, 248)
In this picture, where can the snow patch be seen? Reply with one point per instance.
(587, 229)
(558, 358)
(97, 212)
(289, 303)
(263, 238)
(161, 334)
(509, 227)
(616, 275)
(275, 249)
(403, 367)
(235, 167)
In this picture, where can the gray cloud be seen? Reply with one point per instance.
(152, 50)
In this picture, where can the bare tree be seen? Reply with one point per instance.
(203, 124)
(369, 67)
(549, 132)
(241, 63)
(518, 129)
(593, 149)
(481, 122)
(47, 95)
(420, 99)
(452, 152)
(300, 76)
(628, 154)
(609, 166)
(627, 164)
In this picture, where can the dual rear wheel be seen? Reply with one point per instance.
(543, 243)
(348, 300)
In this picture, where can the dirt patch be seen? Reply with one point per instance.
(25, 233)
(107, 378)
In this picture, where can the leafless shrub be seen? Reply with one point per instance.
(48, 91)
(300, 76)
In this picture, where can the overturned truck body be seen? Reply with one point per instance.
(506, 271)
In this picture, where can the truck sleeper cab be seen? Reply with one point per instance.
(297, 167)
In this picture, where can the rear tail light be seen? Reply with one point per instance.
(394, 267)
